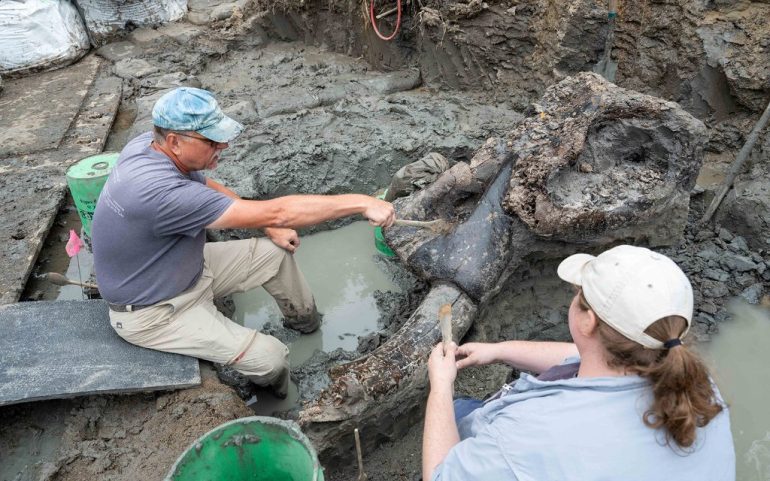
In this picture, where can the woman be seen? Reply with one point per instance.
(626, 401)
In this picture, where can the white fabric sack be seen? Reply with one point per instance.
(105, 18)
(40, 35)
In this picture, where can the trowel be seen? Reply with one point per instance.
(606, 67)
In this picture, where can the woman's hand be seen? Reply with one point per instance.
(283, 238)
(442, 370)
(476, 354)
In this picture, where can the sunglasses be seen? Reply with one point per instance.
(212, 143)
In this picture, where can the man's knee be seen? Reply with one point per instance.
(306, 319)
(266, 362)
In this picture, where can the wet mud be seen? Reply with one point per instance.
(329, 109)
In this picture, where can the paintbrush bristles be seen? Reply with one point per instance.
(445, 323)
(438, 226)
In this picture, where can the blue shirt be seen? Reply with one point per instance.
(149, 227)
(581, 429)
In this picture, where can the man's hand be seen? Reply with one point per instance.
(442, 370)
(380, 213)
(283, 238)
(476, 354)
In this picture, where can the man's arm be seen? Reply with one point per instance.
(294, 211)
(531, 356)
(283, 238)
(221, 188)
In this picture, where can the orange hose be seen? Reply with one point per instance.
(373, 19)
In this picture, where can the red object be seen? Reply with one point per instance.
(373, 19)
(74, 244)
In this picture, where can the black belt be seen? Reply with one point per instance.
(127, 307)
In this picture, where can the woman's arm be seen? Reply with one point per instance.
(531, 356)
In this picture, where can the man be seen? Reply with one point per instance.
(156, 270)
(627, 400)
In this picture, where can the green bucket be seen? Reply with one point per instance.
(85, 180)
(255, 448)
(379, 238)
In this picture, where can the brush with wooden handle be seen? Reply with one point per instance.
(445, 323)
(439, 226)
(60, 280)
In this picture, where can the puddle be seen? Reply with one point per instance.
(342, 272)
(53, 258)
(739, 358)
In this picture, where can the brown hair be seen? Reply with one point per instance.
(684, 398)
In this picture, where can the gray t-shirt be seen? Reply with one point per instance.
(149, 227)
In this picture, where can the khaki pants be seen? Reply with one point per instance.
(190, 324)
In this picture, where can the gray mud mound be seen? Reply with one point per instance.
(323, 123)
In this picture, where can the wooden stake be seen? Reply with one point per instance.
(385, 14)
(736, 166)
(361, 473)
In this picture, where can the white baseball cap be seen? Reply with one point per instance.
(630, 288)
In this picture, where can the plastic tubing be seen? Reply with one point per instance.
(373, 19)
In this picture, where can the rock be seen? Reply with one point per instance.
(753, 294)
(746, 210)
(703, 235)
(745, 280)
(714, 289)
(134, 68)
(203, 12)
(725, 235)
(171, 80)
(181, 33)
(715, 274)
(708, 308)
(369, 342)
(243, 111)
(736, 262)
(738, 244)
(708, 254)
(117, 51)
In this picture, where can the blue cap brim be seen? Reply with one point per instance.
(226, 130)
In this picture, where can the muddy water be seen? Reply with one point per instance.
(739, 357)
(341, 269)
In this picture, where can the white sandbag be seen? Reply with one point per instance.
(40, 35)
(105, 18)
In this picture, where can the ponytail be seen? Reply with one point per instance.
(684, 397)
